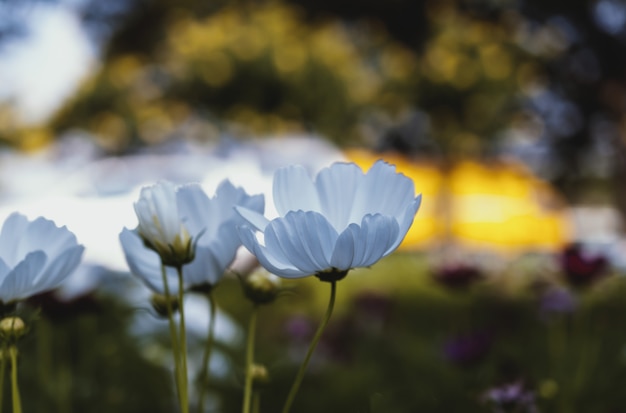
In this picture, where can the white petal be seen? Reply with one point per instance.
(383, 191)
(159, 202)
(193, 209)
(12, 229)
(258, 221)
(305, 239)
(406, 222)
(373, 239)
(145, 264)
(58, 270)
(294, 190)
(205, 268)
(336, 187)
(343, 253)
(266, 258)
(18, 283)
(166, 207)
(44, 235)
(4, 270)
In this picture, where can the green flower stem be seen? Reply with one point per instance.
(173, 335)
(256, 402)
(183, 343)
(15, 391)
(247, 394)
(318, 334)
(206, 357)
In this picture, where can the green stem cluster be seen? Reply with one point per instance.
(179, 341)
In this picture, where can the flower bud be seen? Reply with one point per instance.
(261, 287)
(160, 303)
(161, 226)
(260, 375)
(12, 328)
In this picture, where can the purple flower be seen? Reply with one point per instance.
(468, 348)
(511, 397)
(556, 300)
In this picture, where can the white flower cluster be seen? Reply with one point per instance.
(342, 219)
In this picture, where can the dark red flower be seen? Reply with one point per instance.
(458, 276)
(582, 268)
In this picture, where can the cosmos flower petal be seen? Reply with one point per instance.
(193, 204)
(406, 222)
(206, 240)
(274, 264)
(205, 268)
(336, 187)
(306, 238)
(17, 283)
(144, 263)
(214, 257)
(225, 245)
(294, 190)
(373, 239)
(228, 195)
(15, 224)
(257, 220)
(383, 191)
(56, 271)
(352, 219)
(4, 269)
(36, 256)
(43, 234)
(166, 208)
(343, 253)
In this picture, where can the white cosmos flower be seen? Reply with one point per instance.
(160, 224)
(35, 256)
(344, 219)
(209, 222)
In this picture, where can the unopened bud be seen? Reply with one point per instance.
(260, 375)
(160, 304)
(12, 327)
(261, 287)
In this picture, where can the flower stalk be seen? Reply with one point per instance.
(247, 395)
(318, 335)
(183, 344)
(15, 391)
(174, 338)
(206, 357)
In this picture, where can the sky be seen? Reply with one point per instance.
(42, 69)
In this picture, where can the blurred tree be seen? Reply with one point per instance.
(544, 81)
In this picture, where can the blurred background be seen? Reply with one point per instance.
(509, 115)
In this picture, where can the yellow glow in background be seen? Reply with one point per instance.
(503, 207)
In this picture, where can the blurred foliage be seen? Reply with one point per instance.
(260, 66)
(269, 69)
(543, 81)
(401, 340)
(388, 348)
(79, 357)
